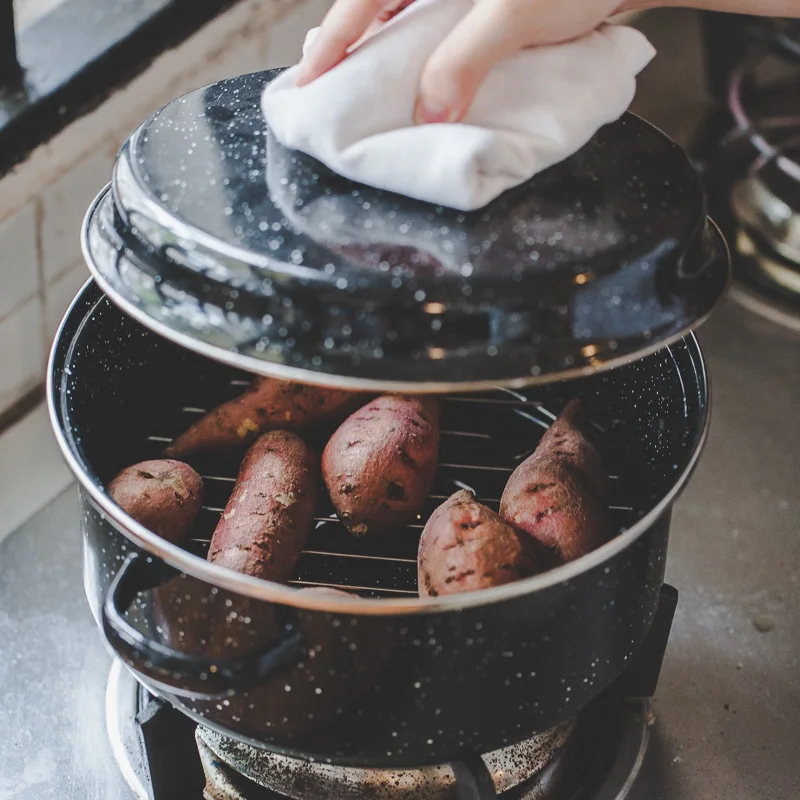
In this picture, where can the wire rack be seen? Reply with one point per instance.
(483, 438)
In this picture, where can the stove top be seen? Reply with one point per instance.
(730, 676)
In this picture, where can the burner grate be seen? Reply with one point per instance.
(484, 437)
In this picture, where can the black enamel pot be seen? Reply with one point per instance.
(385, 679)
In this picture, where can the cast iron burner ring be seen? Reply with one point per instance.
(302, 780)
(753, 179)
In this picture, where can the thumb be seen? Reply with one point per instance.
(459, 65)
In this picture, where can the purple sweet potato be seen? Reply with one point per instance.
(558, 494)
(465, 546)
(564, 442)
(381, 462)
(268, 404)
(163, 495)
(269, 515)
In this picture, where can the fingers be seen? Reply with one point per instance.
(393, 9)
(342, 27)
(490, 32)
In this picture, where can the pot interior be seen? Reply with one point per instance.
(121, 393)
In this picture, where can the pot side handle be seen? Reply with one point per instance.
(184, 674)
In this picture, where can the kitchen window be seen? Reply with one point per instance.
(27, 12)
(61, 58)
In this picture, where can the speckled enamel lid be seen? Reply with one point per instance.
(215, 236)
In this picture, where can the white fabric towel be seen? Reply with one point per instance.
(535, 109)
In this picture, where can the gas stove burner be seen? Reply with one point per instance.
(753, 176)
(163, 756)
(765, 283)
(510, 767)
(766, 302)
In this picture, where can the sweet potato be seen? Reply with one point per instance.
(268, 404)
(269, 515)
(558, 494)
(381, 462)
(163, 495)
(465, 546)
(565, 442)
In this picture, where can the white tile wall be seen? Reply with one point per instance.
(27, 449)
(43, 202)
(41, 266)
(21, 351)
(64, 205)
(209, 55)
(19, 262)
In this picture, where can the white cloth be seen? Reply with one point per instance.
(535, 109)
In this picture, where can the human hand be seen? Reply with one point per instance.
(492, 31)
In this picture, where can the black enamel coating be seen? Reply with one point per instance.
(402, 689)
(201, 676)
(473, 780)
(216, 234)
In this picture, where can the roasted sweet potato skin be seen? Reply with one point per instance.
(565, 442)
(380, 464)
(164, 495)
(266, 523)
(268, 404)
(558, 494)
(466, 546)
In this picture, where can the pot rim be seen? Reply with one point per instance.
(269, 591)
